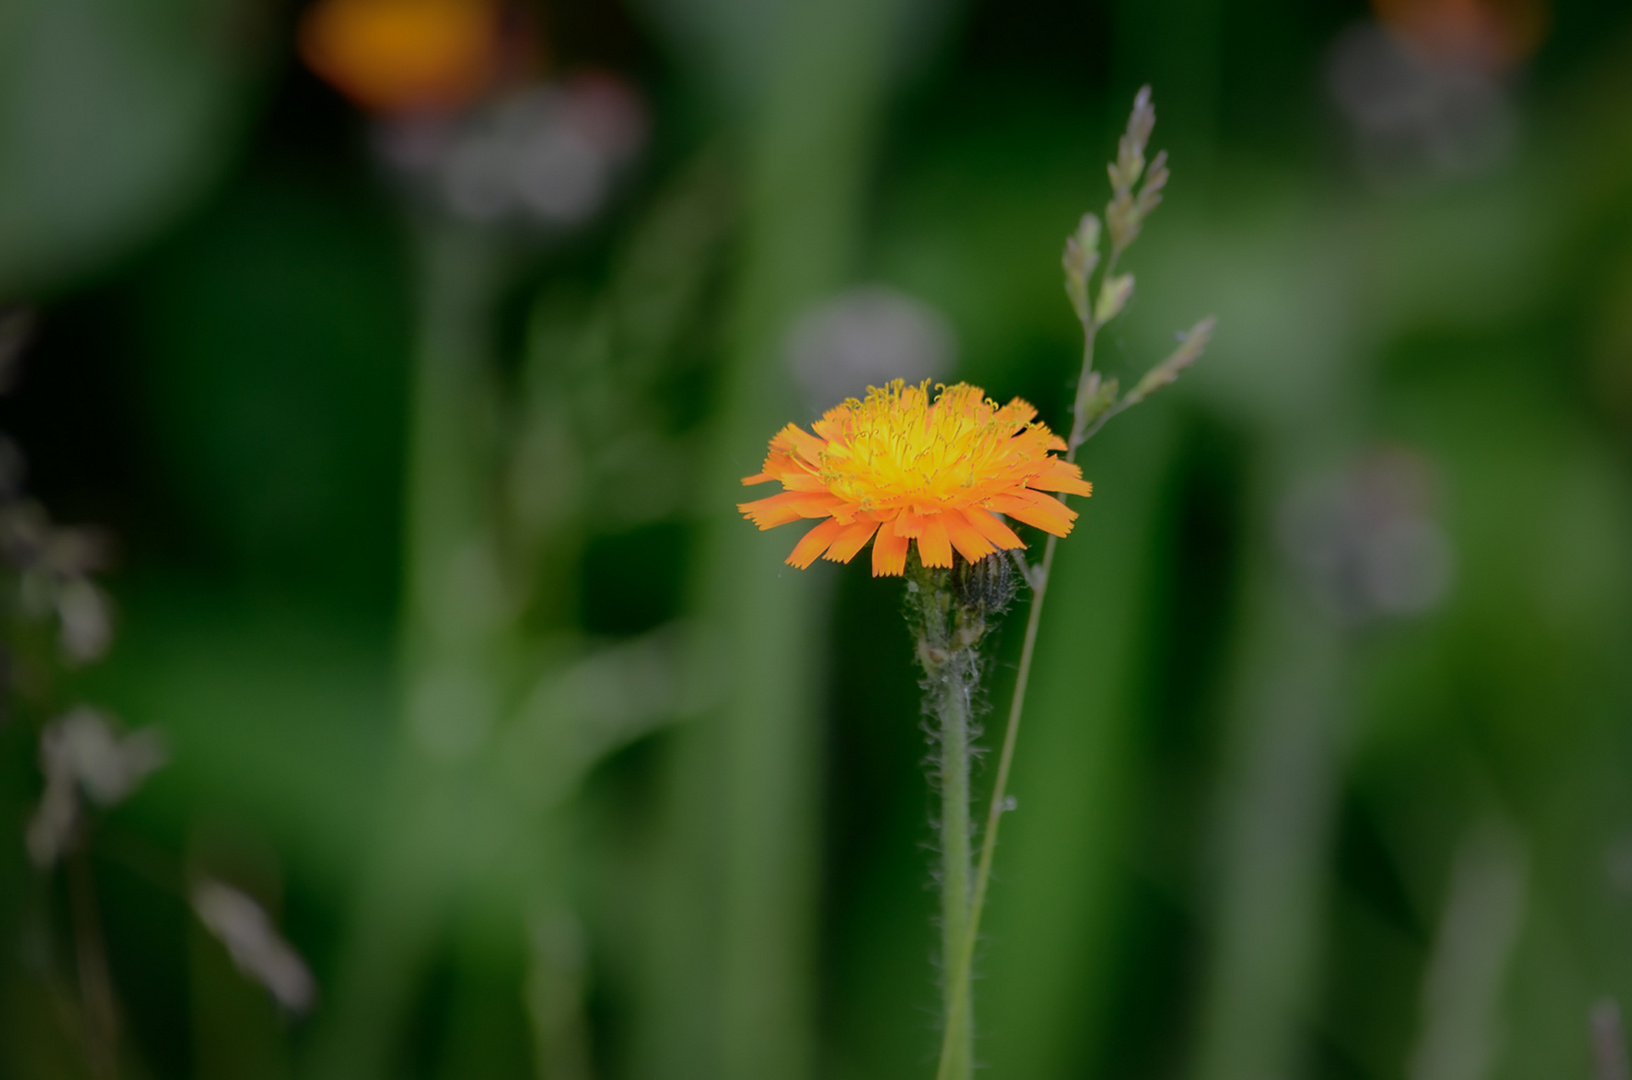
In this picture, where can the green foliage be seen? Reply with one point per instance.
(1257, 806)
(117, 116)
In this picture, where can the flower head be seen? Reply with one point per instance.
(397, 55)
(901, 467)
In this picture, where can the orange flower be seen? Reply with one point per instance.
(391, 55)
(904, 468)
(1490, 34)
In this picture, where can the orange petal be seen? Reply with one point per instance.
(769, 513)
(1055, 517)
(816, 503)
(1018, 411)
(908, 523)
(829, 426)
(846, 513)
(1063, 476)
(889, 554)
(814, 543)
(809, 446)
(965, 537)
(933, 545)
(802, 480)
(851, 540)
(787, 506)
(776, 464)
(992, 527)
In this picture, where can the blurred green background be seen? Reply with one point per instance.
(419, 436)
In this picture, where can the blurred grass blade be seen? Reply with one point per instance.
(1277, 800)
(741, 859)
(1473, 949)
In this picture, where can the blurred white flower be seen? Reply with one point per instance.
(548, 155)
(53, 565)
(86, 621)
(865, 337)
(1419, 114)
(108, 767)
(1609, 1040)
(52, 826)
(1366, 541)
(24, 532)
(254, 944)
(82, 752)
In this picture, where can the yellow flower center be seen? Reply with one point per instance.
(898, 449)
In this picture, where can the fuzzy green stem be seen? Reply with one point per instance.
(949, 610)
(955, 912)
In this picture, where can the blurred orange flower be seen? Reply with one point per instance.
(1490, 34)
(904, 468)
(400, 55)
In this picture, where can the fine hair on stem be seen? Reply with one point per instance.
(951, 611)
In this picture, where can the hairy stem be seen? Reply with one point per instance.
(960, 964)
(955, 911)
(949, 609)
